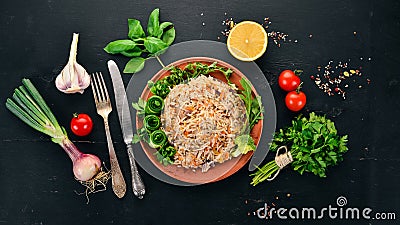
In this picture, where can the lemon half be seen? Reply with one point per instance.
(247, 41)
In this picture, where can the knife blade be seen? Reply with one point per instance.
(125, 121)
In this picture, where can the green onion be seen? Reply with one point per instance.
(29, 106)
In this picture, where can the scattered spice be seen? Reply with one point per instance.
(277, 36)
(228, 23)
(333, 78)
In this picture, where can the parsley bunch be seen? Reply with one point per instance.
(314, 144)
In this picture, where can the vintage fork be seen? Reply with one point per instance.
(103, 106)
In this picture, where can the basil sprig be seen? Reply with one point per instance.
(140, 46)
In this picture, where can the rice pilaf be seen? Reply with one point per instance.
(201, 119)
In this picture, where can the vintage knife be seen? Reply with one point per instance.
(126, 125)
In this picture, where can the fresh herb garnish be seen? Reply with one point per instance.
(139, 106)
(141, 134)
(140, 47)
(313, 143)
(254, 107)
(178, 75)
(245, 144)
(151, 132)
(165, 155)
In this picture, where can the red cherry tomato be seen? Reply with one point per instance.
(81, 124)
(288, 80)
(295, 101)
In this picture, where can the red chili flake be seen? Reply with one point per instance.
(368, 81)
(312, 77)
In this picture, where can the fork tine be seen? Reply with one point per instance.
(94, 86)
(107, 98)
(101, 88)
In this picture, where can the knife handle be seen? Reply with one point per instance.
(137, 183)
(117, 179)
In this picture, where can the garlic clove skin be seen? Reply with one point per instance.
(73, 84)
(73, 78)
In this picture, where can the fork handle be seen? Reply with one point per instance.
(137, 183)
(117, 179)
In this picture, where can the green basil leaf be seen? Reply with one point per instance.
(119, 46)
(134, 65)
(159, 52)
(168, 36)
(135, 29)
(135, 52)
(153, 26)
(164, 26)
(154, 45)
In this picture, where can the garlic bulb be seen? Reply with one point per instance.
(73, 78)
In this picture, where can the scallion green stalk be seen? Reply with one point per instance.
(29, 106)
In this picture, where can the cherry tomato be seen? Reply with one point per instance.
(288, 80)
(295, 101)
(81, 124)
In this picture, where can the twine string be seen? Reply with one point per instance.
(282, 160)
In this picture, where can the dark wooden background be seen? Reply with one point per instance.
(36, 182)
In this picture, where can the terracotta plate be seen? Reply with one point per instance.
(221, 170)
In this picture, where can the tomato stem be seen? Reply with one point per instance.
(299, 88)
(298, 72)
